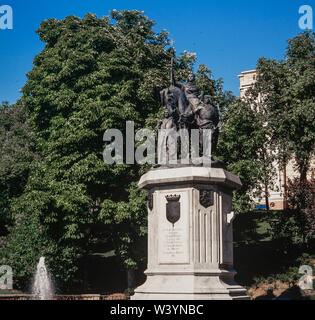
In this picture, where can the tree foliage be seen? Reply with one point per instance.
(17, 151)
(275, 121)
(302, 202)
(242, 147)
(287, 89)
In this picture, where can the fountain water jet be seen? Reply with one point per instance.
(42, 286)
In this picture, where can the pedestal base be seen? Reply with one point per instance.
(190, 235)
(194, 286)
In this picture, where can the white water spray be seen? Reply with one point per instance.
(42, 286)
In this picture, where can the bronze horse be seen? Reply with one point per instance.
(178, 106)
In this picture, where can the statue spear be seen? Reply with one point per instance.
(172, 73)
(173, 81)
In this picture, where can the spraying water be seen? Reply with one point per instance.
(42, 286)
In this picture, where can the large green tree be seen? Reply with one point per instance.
(93, 74)
(287, 89)
(275, 121)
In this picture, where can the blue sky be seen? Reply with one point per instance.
(227, 35)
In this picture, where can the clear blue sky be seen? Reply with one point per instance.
(227, 35)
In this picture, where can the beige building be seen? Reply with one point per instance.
(277, 197)
(247, 79)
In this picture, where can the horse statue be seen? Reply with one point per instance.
(189, 109)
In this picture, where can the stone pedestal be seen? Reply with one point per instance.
(190, 237)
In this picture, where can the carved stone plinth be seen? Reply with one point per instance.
(190, 248)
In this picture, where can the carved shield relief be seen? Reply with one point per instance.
(173, 209)
(206, 198)
(150, 200)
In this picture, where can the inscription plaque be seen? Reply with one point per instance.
(173, 239)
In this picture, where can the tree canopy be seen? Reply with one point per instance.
(275, 121)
